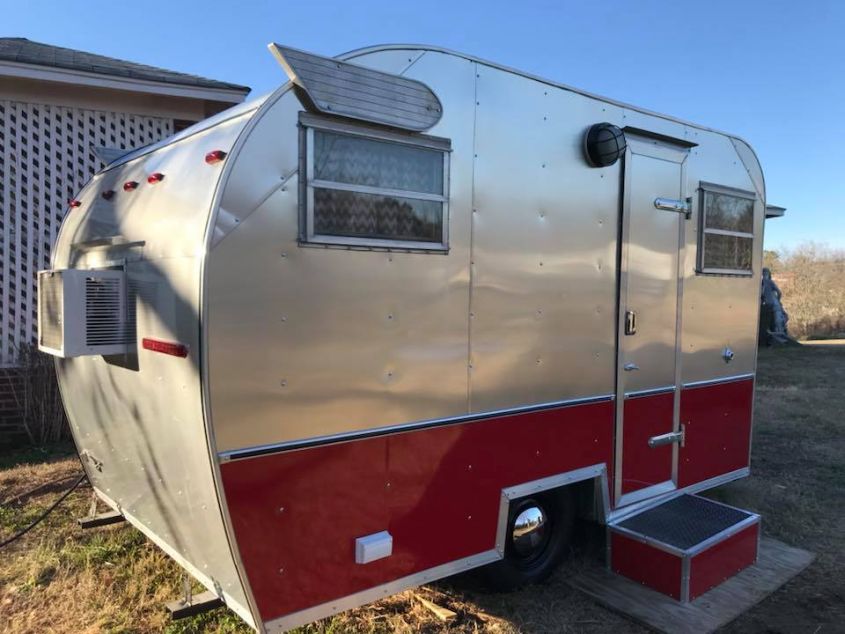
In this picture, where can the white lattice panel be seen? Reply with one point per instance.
(45, 158)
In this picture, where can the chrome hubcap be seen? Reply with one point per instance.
(529, 531)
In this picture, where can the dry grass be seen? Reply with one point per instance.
(60, 579)
(812, 278)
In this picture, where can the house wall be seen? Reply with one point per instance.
(47, 133)
(46, 156)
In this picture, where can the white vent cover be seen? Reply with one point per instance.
(83, 312)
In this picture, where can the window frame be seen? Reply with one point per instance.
(712, 188)
(308, 123)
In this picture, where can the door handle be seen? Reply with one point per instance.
(630, 322)
(628, 367)
(667, 439)
(673, 204)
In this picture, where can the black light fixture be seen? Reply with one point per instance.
(604, 144)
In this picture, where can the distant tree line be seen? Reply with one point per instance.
(812, 279)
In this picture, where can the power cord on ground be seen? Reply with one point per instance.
(38, 520)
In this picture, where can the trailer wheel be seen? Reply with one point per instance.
(537, 538)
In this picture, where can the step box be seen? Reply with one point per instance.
(685, 546)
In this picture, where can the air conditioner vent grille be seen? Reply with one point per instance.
(105, 322)
(50, 299)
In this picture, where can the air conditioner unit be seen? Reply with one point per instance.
(83, 312)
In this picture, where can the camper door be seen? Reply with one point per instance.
(653, 215)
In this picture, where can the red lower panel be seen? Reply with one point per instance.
(651, 567)
(717, 419)
(296, 514)
(646, 416)
(722, 561)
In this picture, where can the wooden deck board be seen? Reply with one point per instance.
(777, 564)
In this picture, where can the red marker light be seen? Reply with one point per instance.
(152, 179)
(215, 157)
(108, 194)
(128, 186)
(165, 347)
(75, 203)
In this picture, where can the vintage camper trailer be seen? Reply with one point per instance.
(410, 315)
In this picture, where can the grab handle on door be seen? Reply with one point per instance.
(630, 322)
(672, 204)
(667, 439)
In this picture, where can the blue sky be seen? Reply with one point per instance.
(769, 71)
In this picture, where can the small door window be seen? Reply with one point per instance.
(726, 238)
(368, 187)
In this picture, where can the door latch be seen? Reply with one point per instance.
(630, 322)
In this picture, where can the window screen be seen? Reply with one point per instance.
(726, 239)
(375, 191)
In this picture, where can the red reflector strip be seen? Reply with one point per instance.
(152, 179)
(128, 186)
(215, 157)
(165, 347)
(75, 203)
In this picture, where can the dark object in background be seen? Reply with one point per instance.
(773, 317)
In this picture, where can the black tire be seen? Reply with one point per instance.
(516, 570)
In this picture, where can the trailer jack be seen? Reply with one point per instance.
(190, 604)
(94, 519)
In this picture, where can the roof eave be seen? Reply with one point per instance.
(113, 82)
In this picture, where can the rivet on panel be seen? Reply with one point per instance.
(284, 254)
(284, 318)
(390, 315)
(469, 467)
(281, 571)
(281, 509)
(283, 383)
(541, 264)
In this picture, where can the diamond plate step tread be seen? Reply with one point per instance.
(684, 521)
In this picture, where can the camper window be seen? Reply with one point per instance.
(374, 189)
(726, 238)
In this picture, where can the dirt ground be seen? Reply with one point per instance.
(60, 579)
